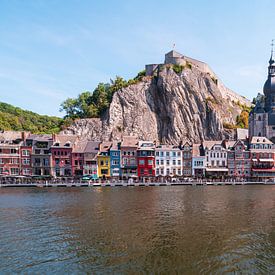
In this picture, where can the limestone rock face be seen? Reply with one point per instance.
(168, 107)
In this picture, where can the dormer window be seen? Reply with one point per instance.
(57, 144)
(67, 144)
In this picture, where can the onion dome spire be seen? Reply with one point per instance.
(271, 61)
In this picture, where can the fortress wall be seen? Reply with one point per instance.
(175, 60)
(150, 68)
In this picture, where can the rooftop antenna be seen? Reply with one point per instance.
(174, 45)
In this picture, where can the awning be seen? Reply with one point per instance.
(254, 160)
(267, 160)
(217, 169)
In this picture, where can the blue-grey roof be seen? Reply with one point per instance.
(269, 86)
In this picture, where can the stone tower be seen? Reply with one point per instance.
(262, 117)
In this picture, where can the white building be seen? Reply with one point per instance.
(216, 158)
(168, 160)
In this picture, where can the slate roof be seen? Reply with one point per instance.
(260, 140)
(129, 141)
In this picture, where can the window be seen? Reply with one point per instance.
(167, 171)
(26, 171)
(179, 162)
(161, 171)
(13, 151)
(37, 152)
(174, 162)
(157, 162)
(1, 161)
(76, 162)
(25, 153)
(26, 161)
(150, 162)
(157, 171)
(161, 162)
(106, 162)
(179, 172)
(104, 171)
(14, 161)
(115, 162)
(157, 154)
(14, 171)
(167, 162)
(141, 162)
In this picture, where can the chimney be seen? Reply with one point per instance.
(23, 136)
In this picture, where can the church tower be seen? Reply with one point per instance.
(269, 86)
(262, 117)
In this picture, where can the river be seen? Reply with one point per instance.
(138, 230)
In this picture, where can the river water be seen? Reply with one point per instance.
(138, 230)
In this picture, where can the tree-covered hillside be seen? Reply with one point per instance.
(14, 118)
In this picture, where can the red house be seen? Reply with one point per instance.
(146, 159)
(25, 157)
(10, 143)
(78, 158)
(262, 158)
(61, 153)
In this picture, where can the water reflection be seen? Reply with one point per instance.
(162, 230)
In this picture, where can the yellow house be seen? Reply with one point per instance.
(103, 160)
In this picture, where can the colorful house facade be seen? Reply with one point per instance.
(186, 159)
(103, 160)
(128, 149)
(239, 160)
(90, 167)
(146, 159)
(115, 160)
(61, 153)
(10, 161)
(262, 152)
(168, 161)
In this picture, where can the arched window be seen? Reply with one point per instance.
(259, 135)
(259, 118)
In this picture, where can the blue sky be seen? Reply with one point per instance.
(51, 50)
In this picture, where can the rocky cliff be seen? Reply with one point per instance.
(167, 107)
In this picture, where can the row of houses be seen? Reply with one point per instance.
(25, 154)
